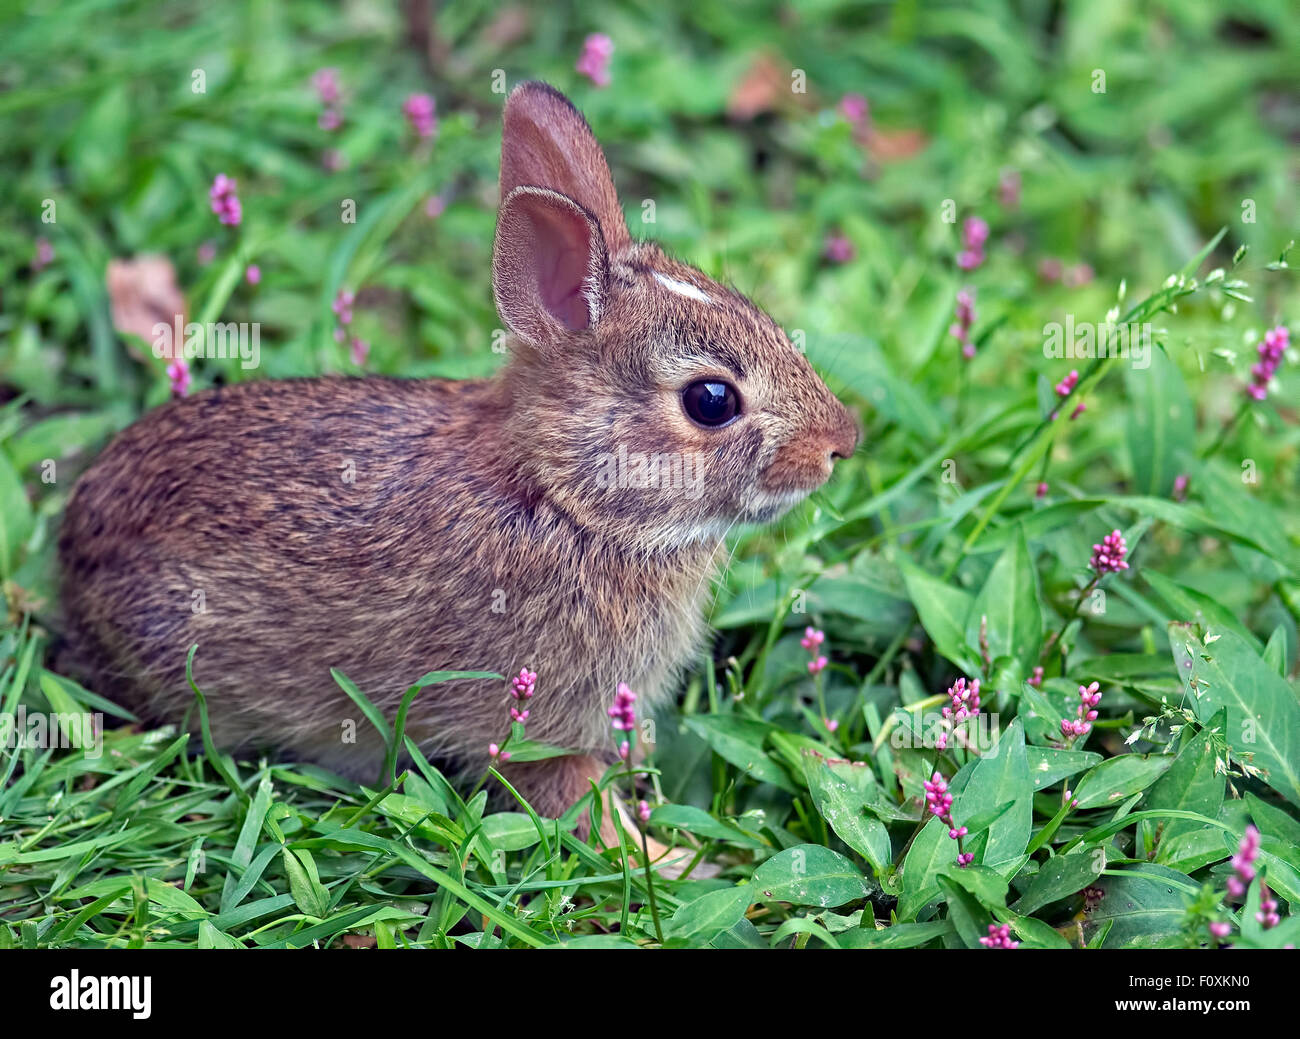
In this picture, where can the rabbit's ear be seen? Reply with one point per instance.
(550, 271)
(546, 143)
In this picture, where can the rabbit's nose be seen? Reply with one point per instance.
(842, 434)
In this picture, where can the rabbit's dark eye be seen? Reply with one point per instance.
(711, 403)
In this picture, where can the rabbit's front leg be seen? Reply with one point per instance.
(553, 785)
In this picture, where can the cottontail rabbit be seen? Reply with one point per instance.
(565, 515)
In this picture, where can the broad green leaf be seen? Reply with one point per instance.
(510, 831)
(999, 776)
(1145, 905)
(1161, 424)
(854, 595)
(809, 875)
(212, 938)
(943, 609)
(899, 936)
(983, 786)
(704, 918)
(989, 888)
(838, 793)
(1117, 778)
(1190, 605)
(964, 910)
(1009, 601)
(1060, 877)
(1275, 653)
(702, 824)
(930, 852)
(740, 742)
(1273, 821)
(304, 884)
(1048, 765)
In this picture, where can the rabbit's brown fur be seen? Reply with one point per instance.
(388, 527)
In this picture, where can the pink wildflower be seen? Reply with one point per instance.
(326, 82)
(1085, 713)
(999, 938)
(178, 372)
(225, 202)
(624, 709)
(1108, 557)
(1079, 274)
(974, 233)
(521, 688)
(811, 641)
(253, 274)
(44, 255)
(964, 703)
(597, 50)
(855, 108)
(838, 249)
(1276, 341)
(1066, 386)
(1267, 916)
(1243, 863)
(939, 803)
(1050, 269)
(419, 110)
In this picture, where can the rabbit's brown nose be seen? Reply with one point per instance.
(805, 463)
(841, 437)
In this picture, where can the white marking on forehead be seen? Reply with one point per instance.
(682, 288)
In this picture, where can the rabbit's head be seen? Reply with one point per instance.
(646, 400)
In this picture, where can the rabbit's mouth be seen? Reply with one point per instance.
(766, 506)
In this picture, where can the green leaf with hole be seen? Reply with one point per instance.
(809, 875)
(703, 919)
(838, 791)
(1117, 778)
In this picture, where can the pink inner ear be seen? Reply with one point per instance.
(562, 253)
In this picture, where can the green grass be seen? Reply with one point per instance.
(928, 557)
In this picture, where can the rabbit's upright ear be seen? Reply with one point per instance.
(550, 270)
(546, 143)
